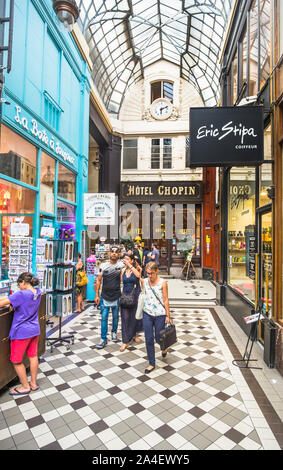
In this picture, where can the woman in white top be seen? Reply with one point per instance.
(156, 311)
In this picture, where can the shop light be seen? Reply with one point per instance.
(67, 12)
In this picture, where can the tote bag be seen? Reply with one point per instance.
(139, 311)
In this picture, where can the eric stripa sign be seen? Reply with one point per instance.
(230, 136)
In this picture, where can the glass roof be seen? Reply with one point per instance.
(125, 36)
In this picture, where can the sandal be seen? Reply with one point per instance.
(33, 389)
(125, 346)
(15, 392)
(137, 339)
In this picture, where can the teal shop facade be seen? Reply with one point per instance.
(44, 129)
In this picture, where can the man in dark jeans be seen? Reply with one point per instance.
(109, 274)
(154, 255)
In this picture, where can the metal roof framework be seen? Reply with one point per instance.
(125, 36)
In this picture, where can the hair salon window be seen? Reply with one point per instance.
(66, 183)
(162, 89)
(241, 231)
(18, 157)
(265, 170)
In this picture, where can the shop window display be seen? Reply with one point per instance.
(265, 180)
(66, 183)
(15, 199)
(66, 217)
(241, 231)
(18, 157)
(6, 222)
(47, 178)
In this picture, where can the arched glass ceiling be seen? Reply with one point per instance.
(125, 36)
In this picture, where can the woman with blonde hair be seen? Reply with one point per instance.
(155, 312)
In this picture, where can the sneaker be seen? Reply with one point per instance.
(101, 345)
(114, 338)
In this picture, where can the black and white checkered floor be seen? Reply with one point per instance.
(101, 399)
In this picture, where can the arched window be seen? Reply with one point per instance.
(162, 89)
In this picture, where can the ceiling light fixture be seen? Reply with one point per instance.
(67, 12)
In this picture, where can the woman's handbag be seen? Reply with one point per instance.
(167, 336)
(82, 279)
(139, 311)
(128, 300)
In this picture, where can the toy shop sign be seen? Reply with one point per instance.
(229, 136)
(33, 128)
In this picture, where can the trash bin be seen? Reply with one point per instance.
(269, 342)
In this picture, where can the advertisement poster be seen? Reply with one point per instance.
(99, 209)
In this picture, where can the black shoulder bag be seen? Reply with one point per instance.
(167, 336)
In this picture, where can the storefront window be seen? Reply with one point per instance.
(265, 183)
(66, 212)
(66, 183)
(15, 199)
(253, 65)
(47, 177)
(241, 231)
(265, 180)
(17, 157)
(5, 223)
(66, 218)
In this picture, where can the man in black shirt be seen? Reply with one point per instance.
(109, 274)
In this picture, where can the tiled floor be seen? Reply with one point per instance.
(101, 399)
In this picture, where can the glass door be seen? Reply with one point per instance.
(265, 280)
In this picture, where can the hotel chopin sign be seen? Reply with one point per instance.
(164, 191)
(229, 136)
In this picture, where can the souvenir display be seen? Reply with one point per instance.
(4, 288)
(20, 256)
(65, 278)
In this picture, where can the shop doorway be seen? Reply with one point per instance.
(265, 264)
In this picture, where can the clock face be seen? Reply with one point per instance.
(161, 109)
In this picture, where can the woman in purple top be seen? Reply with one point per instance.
(25, 331)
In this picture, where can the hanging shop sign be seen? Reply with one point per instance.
(230, 136)
(165, 191)
(99, 209)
